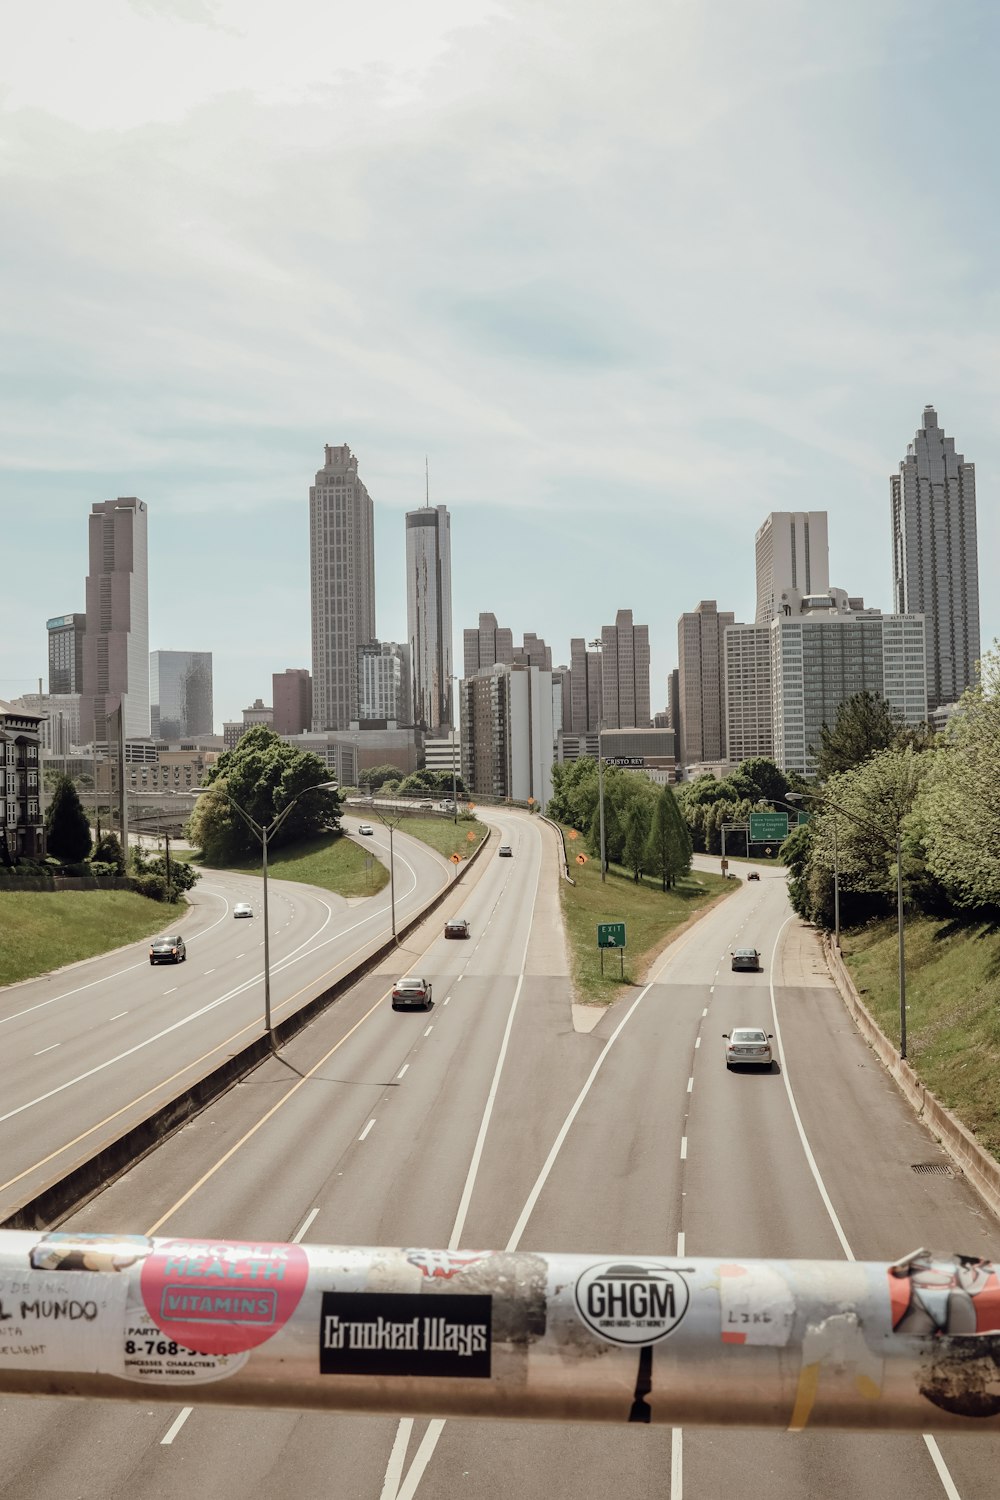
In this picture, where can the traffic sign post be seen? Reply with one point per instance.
(768, 827)
(611, 935)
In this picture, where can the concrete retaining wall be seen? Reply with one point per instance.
(982, 1169)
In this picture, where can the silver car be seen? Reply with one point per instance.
(748, 1047)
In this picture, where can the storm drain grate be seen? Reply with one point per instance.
(932, 1168)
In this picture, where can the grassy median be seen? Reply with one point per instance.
(953, 1008)
(651, 917)
(444, 835)
(332, 862)
(43, 930)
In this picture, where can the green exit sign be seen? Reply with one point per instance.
(611, 934)
(768, 828)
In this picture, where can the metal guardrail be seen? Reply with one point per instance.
(913, 1345)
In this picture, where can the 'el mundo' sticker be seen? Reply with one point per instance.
(222, 1297)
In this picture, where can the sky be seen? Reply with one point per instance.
(630, 277)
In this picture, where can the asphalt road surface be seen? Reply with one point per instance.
(91, 1049)
(438, 1129)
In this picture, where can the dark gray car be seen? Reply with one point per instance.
(167, 950)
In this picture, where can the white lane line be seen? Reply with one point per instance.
(402, 1070)
(704, 1012)
(172, 991)
(118, 1016)
(421, 1459)
(429, 1030)
(690, 1084)
(446, 999)
(684, 1147)
(368, 1127)
(48, 1049)
(680, 1243)
(176, 1425)
(208, 971)
(711, 989)
(394, 1471)
(676, 1464)
(304, 1227)
(460, 978)
(697, 1043)
(948, 1484)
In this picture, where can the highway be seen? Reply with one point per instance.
(94, 1047)
(491, 1122)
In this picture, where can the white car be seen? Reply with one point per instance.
(242, 909)
(748, 1047)
(365, 828)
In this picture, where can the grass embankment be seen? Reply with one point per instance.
(43, 930)
(446, 836)
(650, 916)
(953, 1009)
(333, 863)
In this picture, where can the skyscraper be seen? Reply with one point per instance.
(384, 682)
(180, 694)
(486, 645)
(116, 642)
(749, 729)
(585, 686)
(792, 552)
(701, 678)
(291, 697)
(625, 673)
(342, 585)
(66, 634)
(935, 557)
(428, 616)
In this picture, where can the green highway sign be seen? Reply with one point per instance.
(768, 828)
(611, 934)
(804, 818)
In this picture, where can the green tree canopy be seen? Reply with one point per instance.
(668, 847)
(374, 776)
(108, 851)
(865, 724)
(67, 831)
(262, 774)
(759, 779)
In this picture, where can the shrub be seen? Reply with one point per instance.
(153, 886)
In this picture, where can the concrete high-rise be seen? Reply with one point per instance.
(66, 633)
(585, 687)
(291, 699)
(507, 732)
(792, 552)
(342, 585)
(935, 556)
(625, 674)
(701, 680)
(749, 729)
(533, 652)
(428, 616)
(116, 642)
(384, 682)
(180, 694)
(486, 645)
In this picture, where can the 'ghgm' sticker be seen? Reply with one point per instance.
(632, 1302)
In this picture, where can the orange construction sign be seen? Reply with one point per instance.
(456, 859)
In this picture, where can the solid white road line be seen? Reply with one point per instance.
(680, 1243)
(676, 1464)
(421, 1459)
(368, 1127)
(304, 1227)
(176, 1425)
(393, 1473)
(49, 1049)
(937, 1459)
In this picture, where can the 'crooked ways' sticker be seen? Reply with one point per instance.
(222, 1297)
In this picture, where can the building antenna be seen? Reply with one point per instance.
(427, 484)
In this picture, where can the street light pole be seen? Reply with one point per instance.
(600, 798)
(900, 923)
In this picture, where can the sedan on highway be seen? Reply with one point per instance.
(748, 1047)
(505, 852)
(458, 927)
(167, 950)
(747, 958)
(412, 993)
(365, 828)
(243, 909)
(754, 875)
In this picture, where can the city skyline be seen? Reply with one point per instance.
(597, 442)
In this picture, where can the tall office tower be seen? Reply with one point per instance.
(342, 585)
(66, 634)
(292, 700)
(562, 687)
(748, 691)
(701, 683)
(180, 694)
(116, 643)
(824, 651)
(428, 616)
(533, 652)
(625, 673)
(486, 645)
(585, 670)
(674, 703)
(507, 732)
(792, 553)
(935, 557)
(384, 681)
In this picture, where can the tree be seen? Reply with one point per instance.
(183, 876)
(262, 774)
(759, 779)
(668, 848)
(959, 805)
(67, 831)
(636, 838)
(865, 724)
(376, 775)
(108, 851)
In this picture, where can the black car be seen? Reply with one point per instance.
(753, 875)
(167, 950)
(747, 958)
(458, 927)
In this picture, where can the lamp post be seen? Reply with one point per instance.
(264, 832)
(898, 843)
(390, 818)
